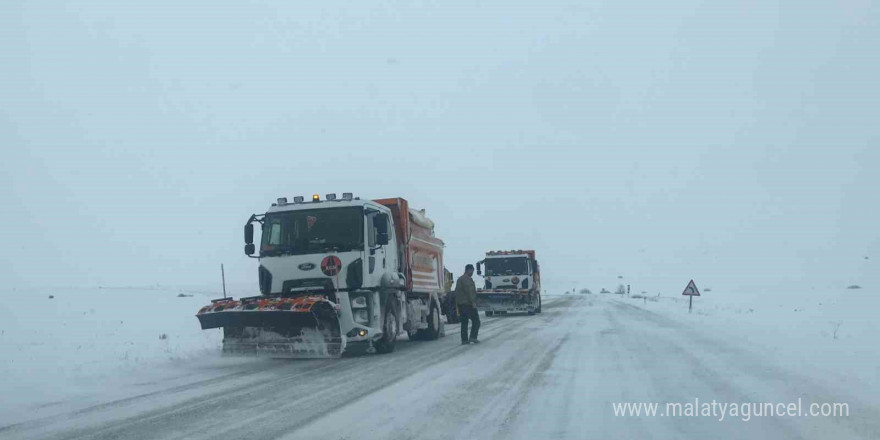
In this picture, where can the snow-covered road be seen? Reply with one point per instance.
(554, 375)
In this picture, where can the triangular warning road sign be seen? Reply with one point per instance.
(691, 289)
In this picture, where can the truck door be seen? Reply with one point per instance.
(377, 258)
(536, 276)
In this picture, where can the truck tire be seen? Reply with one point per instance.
(433, 331)
(539, 305)
(389, 331)
(489, 314)
(451, 312)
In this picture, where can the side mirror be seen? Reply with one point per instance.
(381, 225)
(381, 238)
(381, 222)
(479, 267)
(249, 234)
(249, 249)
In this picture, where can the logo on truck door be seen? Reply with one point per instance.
(331, 265)
(306, 266)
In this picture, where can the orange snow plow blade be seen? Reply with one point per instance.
(301, 327)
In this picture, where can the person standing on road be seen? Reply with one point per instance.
(466, 300)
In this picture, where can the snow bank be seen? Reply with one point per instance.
(79, 342)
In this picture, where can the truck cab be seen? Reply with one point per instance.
(509, 271)
(512, 282)
(340, 245)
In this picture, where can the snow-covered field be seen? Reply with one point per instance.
(80, 346)
(91, 363)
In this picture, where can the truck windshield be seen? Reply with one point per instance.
(313, 231)
(507, 266)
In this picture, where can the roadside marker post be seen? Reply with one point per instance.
(223, 277)
(691, 291)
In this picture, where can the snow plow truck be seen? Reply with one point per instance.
(335, 275)
(512, 283)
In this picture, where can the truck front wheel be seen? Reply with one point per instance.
(389, 332)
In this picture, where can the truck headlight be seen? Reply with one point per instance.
(359, 302)
(361, 316)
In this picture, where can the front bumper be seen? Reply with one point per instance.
(506, 300)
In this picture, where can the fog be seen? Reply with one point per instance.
(731, 142)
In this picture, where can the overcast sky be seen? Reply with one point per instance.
(734, 142)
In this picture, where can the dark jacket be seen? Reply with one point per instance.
(465, 291)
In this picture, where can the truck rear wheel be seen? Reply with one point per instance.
(389, 331)
(433, 331)
(489, 313)
(539, 305)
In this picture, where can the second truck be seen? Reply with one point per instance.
(512, 282)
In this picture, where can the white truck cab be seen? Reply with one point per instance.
(512, 282)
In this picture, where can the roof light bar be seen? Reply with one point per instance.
(316, 198)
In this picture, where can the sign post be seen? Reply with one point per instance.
(691, 291)
(223, 276)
